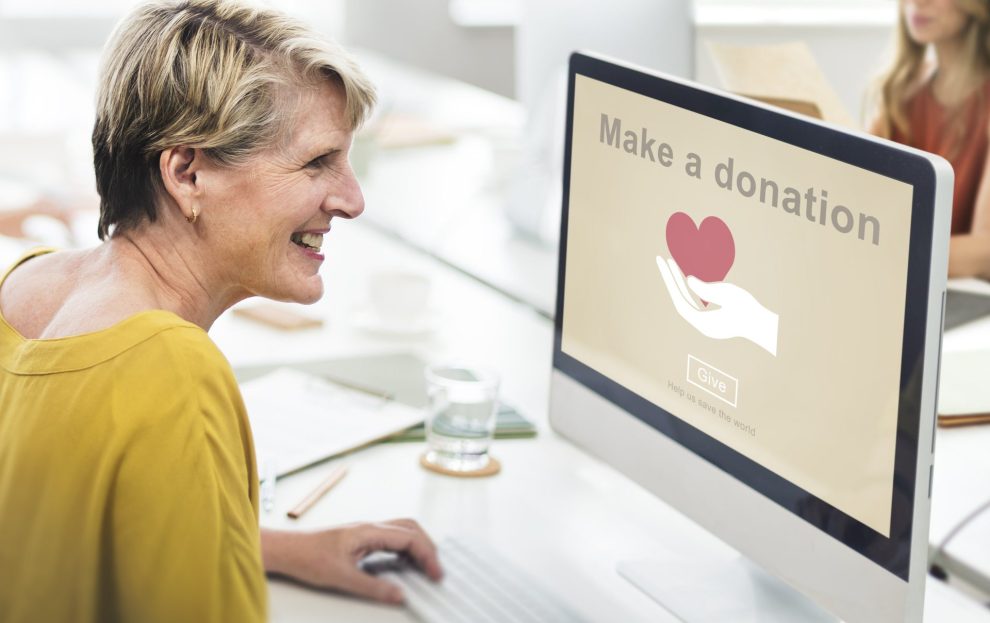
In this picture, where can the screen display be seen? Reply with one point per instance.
(753, 289)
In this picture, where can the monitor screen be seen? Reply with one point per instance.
(744, 294)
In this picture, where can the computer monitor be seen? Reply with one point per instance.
(748, 324)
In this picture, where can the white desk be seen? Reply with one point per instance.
(554, 510)
(962, 473)
(961, 484)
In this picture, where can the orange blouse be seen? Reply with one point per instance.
(933, 130)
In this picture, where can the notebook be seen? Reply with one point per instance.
(964, 395)
(299, 418)
(388, 406)
(962, 307)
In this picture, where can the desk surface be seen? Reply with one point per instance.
(961, 485)
(593, 517)
(962, 465)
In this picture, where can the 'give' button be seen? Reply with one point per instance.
(723, 386)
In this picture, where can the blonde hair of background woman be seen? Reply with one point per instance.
(908, 71)
(217, 75)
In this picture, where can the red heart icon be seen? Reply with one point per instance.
(707, 252)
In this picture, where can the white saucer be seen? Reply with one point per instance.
(368, 319)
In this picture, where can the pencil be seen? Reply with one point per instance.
(963, 419)
(335, 476)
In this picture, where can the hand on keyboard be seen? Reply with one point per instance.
(330, 558)
(478, 587)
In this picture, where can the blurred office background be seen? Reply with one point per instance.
(463, 156)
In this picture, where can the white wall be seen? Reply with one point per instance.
(422, 33)
(654, 33)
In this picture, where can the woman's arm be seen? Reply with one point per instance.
(329, 558)
(969, 254)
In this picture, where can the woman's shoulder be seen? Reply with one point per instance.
(175, 350)
(32, 268)
(39, 261)
(34, 287)
(177, 378)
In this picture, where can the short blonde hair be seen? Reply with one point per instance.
(208, 74)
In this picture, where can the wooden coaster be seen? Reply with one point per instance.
(493, 467)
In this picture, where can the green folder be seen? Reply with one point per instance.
(509, 424)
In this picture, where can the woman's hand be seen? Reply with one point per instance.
(969, 256)
(329, 558)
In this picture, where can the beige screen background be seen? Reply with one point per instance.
(822, 413)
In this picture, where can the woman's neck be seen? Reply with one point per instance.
(169, 275)
(954, 79)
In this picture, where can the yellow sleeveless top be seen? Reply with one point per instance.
(128, 487)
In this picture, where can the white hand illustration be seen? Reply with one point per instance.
(738, 313)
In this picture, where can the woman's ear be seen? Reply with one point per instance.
(179, 167)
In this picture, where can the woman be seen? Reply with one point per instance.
(127, 470)
(936, 97)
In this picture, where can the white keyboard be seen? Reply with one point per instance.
(478, 587)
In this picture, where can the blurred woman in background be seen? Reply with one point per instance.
(936, 97)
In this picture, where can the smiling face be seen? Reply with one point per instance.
(264, 222)
(934, 21)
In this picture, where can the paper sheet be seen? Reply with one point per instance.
(964, 388)
(299, 419)
(785, 71)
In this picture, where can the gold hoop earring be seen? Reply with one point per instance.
(192, 219)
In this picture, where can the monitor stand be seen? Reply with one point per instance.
(696, 590)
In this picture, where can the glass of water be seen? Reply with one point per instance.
(460, 420)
